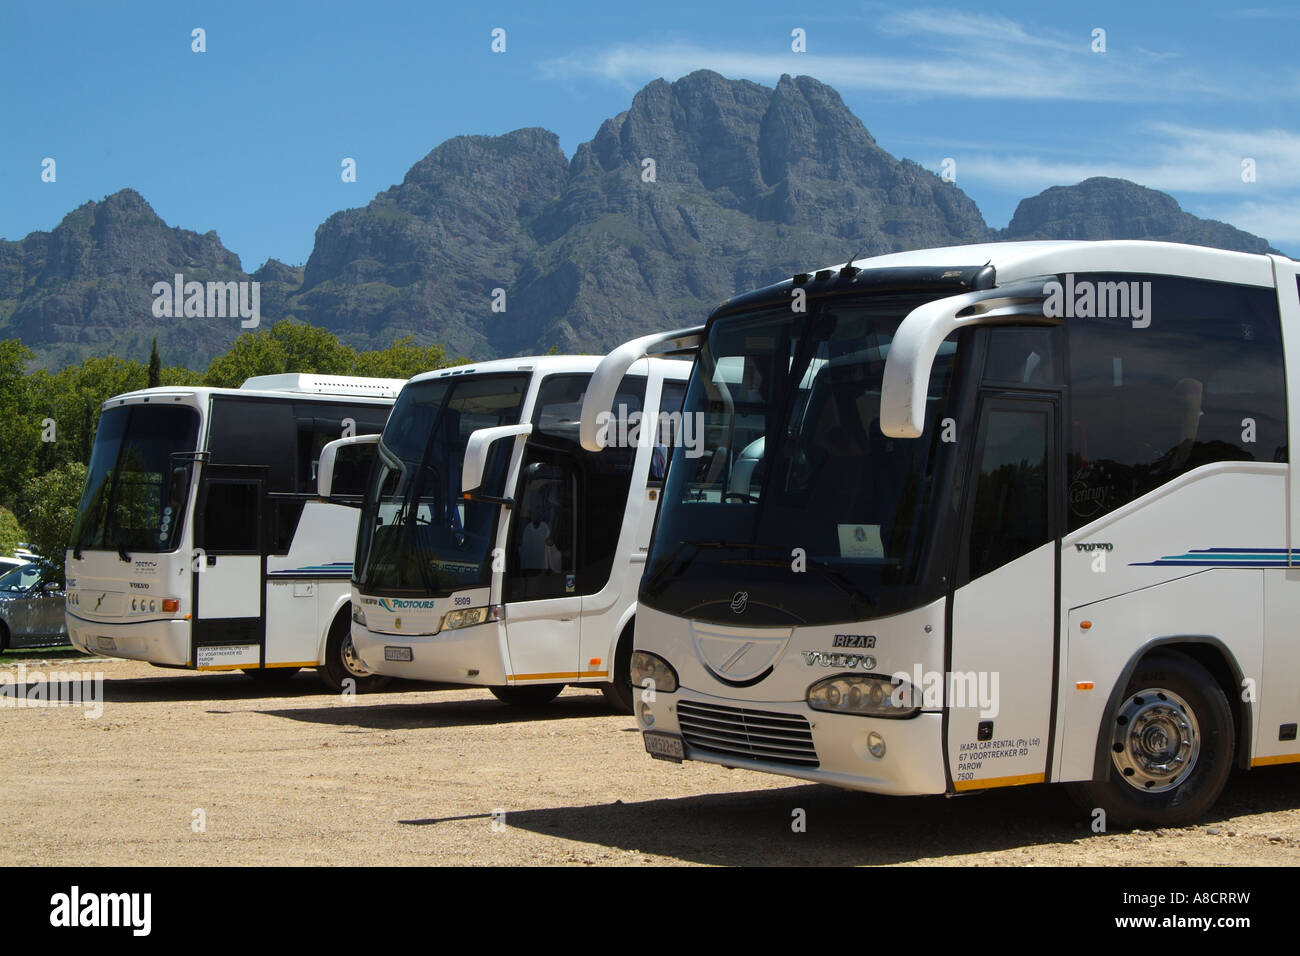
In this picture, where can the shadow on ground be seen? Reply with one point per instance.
(754, 828)
(179, 686)
(479, 712)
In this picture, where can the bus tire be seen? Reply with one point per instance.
(271, 675)
(1171, 706)
(619, 692)
(341, 663)
(4, 638)
(527, 695)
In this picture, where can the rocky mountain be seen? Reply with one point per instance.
(86, 287)
(1105, 208)
(499, 245)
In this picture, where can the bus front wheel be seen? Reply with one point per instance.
(619, 692)
(1170, 743)
(528, 695)
(341, 662)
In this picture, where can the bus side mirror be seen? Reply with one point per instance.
(597, 404)
(178, 482)
(328, 455)
(476, 455)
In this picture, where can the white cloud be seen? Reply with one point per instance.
(929, 53)
(1163, 156)
(1278, 221)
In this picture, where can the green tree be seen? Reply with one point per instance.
(20, 424)
(11, 535)
(155, 365)
(309, 349)
(288, 346)
(49, 509)
(402, 359)
(73, 396)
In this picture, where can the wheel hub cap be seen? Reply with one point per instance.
(1156, 740)
(351, 661)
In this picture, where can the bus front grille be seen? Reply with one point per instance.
(741, 732)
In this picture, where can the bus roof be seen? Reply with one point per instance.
(550, 364)
(292, 385)
(324, 384)
(1027, 259)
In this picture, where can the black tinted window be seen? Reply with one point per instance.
(230, 517)
(1009, 515)
(1023, 356)
(1203, 382)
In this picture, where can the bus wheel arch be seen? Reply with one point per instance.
(619, 692)
(1166, 744)
(340, 665)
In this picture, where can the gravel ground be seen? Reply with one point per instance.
(289, 774)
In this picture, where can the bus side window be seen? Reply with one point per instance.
(231, 517)
(543, 548)
(1009, 517)
(670, 430)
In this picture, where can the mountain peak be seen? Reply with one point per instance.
(1103, 207)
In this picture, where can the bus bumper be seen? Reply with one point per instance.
(467, 655)
(158, 642)
(836, 754)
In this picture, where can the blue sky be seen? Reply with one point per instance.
(247, 138)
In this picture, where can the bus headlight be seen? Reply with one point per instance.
(469, 616)
(865, 695)
(654, 668)
(358, 615)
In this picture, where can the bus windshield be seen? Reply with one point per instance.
(798, 501)
(138, 481)
(417, 534)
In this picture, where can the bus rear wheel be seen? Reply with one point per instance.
(1171, 747)
(528, 695)
(619, 692)
(341, 662)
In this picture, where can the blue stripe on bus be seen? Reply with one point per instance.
(1223, 558)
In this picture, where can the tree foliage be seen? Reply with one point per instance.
(48, 509)
(48, 419)
(11, 535)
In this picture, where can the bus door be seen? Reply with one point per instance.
(544, 609)
(999, 688)
(229, 619)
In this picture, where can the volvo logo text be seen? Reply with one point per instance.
(851, 661)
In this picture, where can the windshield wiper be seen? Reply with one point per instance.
(121, 551)
(821, 567)
(698, 546)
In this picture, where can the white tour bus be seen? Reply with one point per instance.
(493, 550)
(199, 542)
(1027, 516)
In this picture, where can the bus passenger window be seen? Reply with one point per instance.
(230, 517)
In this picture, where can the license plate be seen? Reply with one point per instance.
(397, 653)
(664, 746)
(105, 643)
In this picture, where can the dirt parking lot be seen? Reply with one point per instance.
(292, 775)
